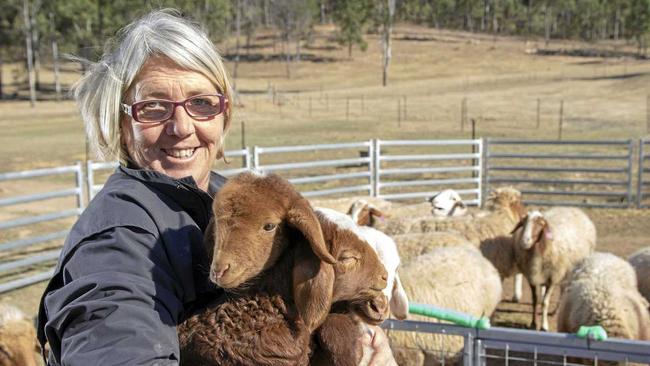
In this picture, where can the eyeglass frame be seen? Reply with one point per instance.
(128, 109)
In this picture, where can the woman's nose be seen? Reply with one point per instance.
(180, 124)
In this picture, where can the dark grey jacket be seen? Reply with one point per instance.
(132, 267)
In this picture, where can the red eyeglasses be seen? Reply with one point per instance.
(160, 110)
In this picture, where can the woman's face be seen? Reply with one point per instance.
(180, 146)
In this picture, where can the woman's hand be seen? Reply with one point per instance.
(375, 342)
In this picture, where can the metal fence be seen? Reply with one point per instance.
(509, 346)
(567, 173)
(24, 252)
(643, 179)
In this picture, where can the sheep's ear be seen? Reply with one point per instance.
(209, 239)
(313, 285)
(399, 302)
(301, 216)
(374, 211)
(519, 224)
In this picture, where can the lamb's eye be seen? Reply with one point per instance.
(349, 260)
(269, 227)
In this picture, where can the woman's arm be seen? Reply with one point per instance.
(119, 304)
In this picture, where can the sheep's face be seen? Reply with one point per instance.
(507, 197)
(532, 229)
(448, 203)
(254, 216)
(364, 213)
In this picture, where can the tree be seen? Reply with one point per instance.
(352, 17)
(386, 13)
(638, 23)
(294, 18)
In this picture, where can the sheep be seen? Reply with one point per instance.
(547, 245)
(343, 204)
(448, 203)
(457, 278)
(18, 342)
(602, 290)
(640, 260)
(282, 266)
(490, 232)
(386, 249)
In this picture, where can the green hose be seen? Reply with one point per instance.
(452, 316)
(595, 332)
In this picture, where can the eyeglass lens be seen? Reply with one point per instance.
(161, 110)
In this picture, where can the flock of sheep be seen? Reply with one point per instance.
(312, 276)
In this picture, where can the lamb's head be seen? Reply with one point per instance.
(532, 231)
(507, 198)
(255, 216)
(447, 203)
(360, 276)
(364, 213)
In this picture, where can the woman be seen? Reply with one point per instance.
(133, 265)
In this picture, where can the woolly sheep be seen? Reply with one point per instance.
(457, 278)
(491, 232)
(547, 245)
(17, 338)
(602, 291)
(448, 203)
(640, 260)
(283, 266)
(413, 245)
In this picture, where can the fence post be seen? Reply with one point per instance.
(468, 348)
(376, 157)
(79, 176)
(243, 140)
(481, 153)
(647, 114)
(485, 170)
(90, 179)
(639, 184)
(630, 167)
(559, 136)
(248, 159)
(538, 105)
(256, 158)
(371, 167)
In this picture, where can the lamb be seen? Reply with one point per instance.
(17, 338)
(448, 203)
(547, 245)
(283, 266)
(490, 232)
(386, 249)
(640, 260)
(456, 277)
(603, 291)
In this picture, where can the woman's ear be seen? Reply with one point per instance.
(302, 217)
(313, 286)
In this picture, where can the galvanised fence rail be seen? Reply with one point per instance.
(509, 346)
(564, 173)
(643, 184)
(24, 253)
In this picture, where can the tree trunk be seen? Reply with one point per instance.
(388, 30)
(55, 58)
(35, 43)
(322, 11)
(237, 34)
(28, 45)
(617, 17)
(547, 24)
(529, 16)
(287, 55)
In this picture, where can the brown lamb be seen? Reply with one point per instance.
(282, 267)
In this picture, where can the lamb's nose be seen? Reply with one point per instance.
(217, 272)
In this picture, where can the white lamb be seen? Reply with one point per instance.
(387, 252)
(602, 291)
(448, 203)
(457, 278)
(547, 246)
(640, 260)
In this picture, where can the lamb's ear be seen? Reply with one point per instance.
(399, 302)
(209, 239)
(301, 216)
(313, 285)
(519, 224)
(374, 211)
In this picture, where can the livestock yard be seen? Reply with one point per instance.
(439, 83)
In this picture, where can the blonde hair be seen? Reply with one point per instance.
(100, 92)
